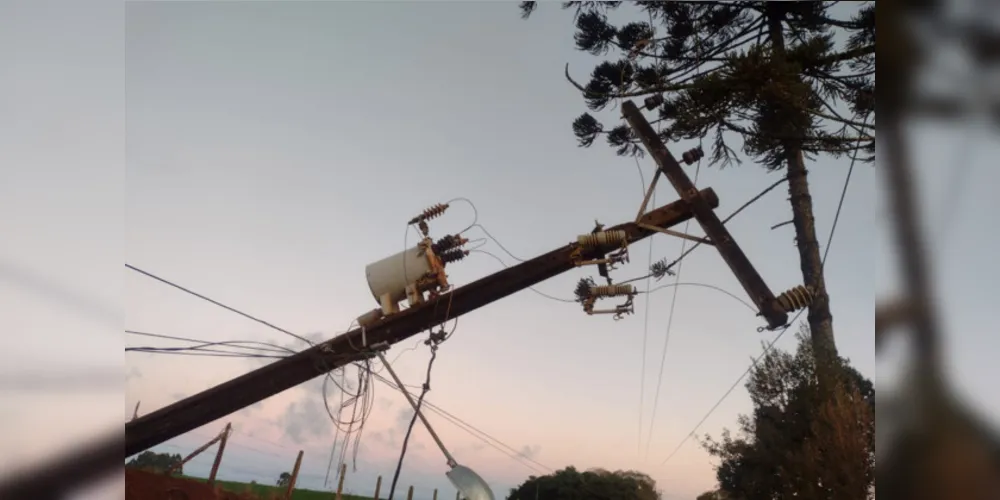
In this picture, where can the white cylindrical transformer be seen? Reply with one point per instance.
(387, 275)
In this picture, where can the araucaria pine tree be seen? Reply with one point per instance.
(788, 80)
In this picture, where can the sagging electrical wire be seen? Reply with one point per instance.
(733, 387)
(504, 264)
(336, 435)
(365, 393)
(475, 212)
(200, 296)
(489, 236)
(198, 347)
(434, 339)
(203, 349)
(202, 352)
(710, 287)
(645, 312)
(479, 434)
(434, 342)
(495, 240)
(242, 344)
(486, 438)
(699, 60)
(482, 242)
(649, 264)
(670, 324)
(770, 345)
(662, 268)
(360, 400)
(361, 403)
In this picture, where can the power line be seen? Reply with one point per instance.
(202, 352)
(204, 348)
(200, 296)
(670, 324)
(731, 388)
(673, 300)
(479, 434)
(242, 344)
(645, 317)
(223, 399)
(413, 420)
(840, 202)
(364, 395)
(487, 439)
(490, 236)
(826, 253)
(710, 287)
(663, 263)
(504, 264)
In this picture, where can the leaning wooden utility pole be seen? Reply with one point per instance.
(295, 477)
(716, 232)
(198, 451)
(218, 454)
(197, 410)
(340, 483)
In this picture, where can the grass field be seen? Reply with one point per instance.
(267, 492)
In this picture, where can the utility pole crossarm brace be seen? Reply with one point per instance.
(714, 229)
(207, 406)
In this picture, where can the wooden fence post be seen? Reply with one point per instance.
(194, 453)
(378, 487)
(218, 454)
(295, 476)
(409, 494)
(340, 485)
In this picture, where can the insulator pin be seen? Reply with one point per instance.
(603, 238)
(794, 299)
(452, 256)
(692, 155)
(430, 213)
(612, 290)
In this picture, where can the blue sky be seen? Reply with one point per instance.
(275, 149)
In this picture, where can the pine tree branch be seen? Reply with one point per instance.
(862, 129)
(847, 25)
(823, 75)
(864, 74)
(527, 8)
(655, 56)
(846, 55)
(731, 44)
(654, 89)
(857, 126)
(782, 137)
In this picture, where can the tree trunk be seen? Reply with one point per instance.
(810, 262)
